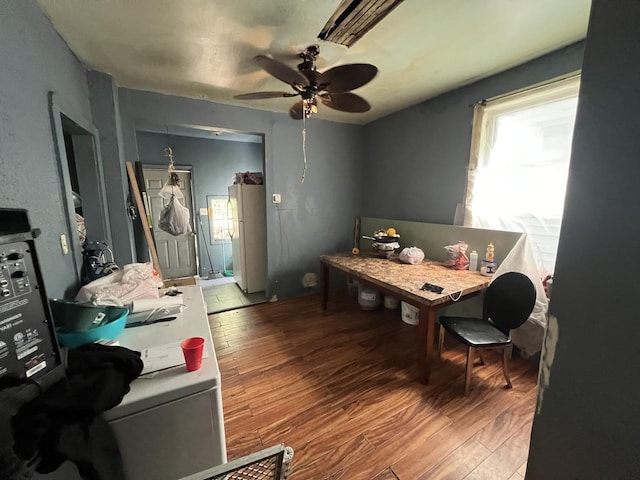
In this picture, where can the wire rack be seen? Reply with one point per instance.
(272, 463)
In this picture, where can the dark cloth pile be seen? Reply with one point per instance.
(65, 422)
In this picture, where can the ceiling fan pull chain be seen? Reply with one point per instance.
(304, 147)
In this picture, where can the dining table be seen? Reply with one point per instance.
(405, 282)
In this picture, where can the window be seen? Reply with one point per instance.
(519, 164)
(218, 218)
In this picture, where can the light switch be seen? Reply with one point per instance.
(63, 244)
(204, 212)
(277, 198)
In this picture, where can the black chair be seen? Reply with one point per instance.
(507, 304)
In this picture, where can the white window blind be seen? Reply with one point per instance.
(519, 164)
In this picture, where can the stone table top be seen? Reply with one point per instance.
(406, 279)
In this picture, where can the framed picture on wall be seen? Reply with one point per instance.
(218, 218)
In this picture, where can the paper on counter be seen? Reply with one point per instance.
(163, 357)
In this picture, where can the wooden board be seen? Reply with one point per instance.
(179, 282)
(141, 214)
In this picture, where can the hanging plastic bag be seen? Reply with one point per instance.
(171, 188)
(175, 218)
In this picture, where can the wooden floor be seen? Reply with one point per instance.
(341, 388)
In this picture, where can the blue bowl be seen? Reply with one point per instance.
(71, 316)
(108, 331)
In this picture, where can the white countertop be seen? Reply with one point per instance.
(167, 385)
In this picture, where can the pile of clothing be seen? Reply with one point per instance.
(64, 422)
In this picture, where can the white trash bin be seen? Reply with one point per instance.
(368, 298)
(390, 302)
(410, 314)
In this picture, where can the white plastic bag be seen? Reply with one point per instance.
(528, 337)
(175, 218)
(412, 255)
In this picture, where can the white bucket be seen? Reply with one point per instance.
(368, 298)
(390, 302)
(410, 314)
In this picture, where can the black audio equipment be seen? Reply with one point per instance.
(29, 352)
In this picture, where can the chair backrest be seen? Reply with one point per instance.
(509, 300)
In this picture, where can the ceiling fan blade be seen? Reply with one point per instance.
(343, 78)
(281, 71)
(260, 95)
(296, 111)
(346, 102)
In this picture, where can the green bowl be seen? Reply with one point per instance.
(108, 331)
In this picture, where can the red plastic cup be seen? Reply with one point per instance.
(192, 350)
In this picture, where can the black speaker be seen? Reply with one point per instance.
(29, 352)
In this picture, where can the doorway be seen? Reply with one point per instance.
(215, 157)
(81, 180)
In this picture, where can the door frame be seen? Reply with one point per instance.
(86, 136)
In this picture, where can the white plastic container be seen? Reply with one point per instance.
(473, 260)
(390, 302)
(368, 298)
(410, 314)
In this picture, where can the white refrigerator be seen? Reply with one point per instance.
(248, 231)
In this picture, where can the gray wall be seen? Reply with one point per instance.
(416, 159)
(33, 61)
(587, 425)
(316, 216)
(214, 162)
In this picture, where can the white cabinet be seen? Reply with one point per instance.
(171, 424)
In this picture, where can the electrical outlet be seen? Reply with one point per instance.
(277, 198)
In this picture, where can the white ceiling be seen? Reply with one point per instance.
(204, 48)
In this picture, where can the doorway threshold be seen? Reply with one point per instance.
(226, 296)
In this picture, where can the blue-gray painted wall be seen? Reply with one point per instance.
(106, 116)
(416, 159)
(34, 60)
(314, 217)
(214, 162)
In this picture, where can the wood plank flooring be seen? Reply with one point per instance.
(341, 387)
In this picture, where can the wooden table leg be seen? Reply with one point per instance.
(324, 284)
(426, 340)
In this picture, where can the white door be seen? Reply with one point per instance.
(177, 255)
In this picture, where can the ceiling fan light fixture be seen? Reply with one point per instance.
(354, 18)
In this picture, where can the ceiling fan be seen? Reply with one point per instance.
(331, 87)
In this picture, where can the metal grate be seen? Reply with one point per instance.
(269, 464)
